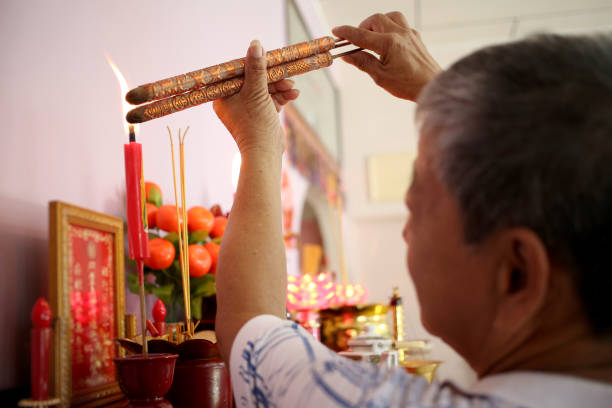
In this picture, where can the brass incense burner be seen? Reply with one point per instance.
(340, 324)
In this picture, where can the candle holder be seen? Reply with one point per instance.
(40, 337)
(423, 368)
(145, 380)
(29, 402)
(201, 378)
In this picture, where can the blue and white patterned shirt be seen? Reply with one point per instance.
(277, 364)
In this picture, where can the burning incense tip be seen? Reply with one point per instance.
(135, 116)
(139, 95)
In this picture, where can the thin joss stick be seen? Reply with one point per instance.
(185, 242)
(143, 311)
(185, 233)
(180, 231)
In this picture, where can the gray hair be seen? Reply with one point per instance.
(524, 136)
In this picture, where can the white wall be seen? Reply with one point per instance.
(62, 131)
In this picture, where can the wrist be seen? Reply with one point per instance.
(257, 153)
(261, 144)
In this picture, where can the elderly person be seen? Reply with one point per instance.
(510, 223)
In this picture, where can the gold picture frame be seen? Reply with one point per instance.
(86, 293)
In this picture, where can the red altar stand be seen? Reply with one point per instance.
(201, 382)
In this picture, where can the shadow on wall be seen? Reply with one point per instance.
(24, 265)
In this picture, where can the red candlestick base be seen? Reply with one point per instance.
(39, 378)
(161, 327)
(38, 404)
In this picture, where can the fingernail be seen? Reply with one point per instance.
(255, 49)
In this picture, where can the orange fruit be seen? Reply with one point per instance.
(213, 250)
(199, 218)
(219, 228)
(153, 193)
(161, 254)
(166, 218)
(199, 260)
(151, 215)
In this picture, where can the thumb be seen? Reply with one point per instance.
(255, 72)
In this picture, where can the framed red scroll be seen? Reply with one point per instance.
(87, 298)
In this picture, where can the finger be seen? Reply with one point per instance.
(379, 23)
(284, 97)
(255, 78)
(281, 86)
(365, 62)
(279, 98)
(398, 18)
(291, 94)
(362, 38)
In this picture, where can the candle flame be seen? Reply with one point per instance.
(124, 90)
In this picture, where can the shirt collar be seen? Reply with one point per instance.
(543, 390)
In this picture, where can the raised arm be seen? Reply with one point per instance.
(251, 275)
(404, 66)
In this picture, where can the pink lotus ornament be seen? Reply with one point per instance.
(309, 292)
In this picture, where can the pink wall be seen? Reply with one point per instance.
(62, 133)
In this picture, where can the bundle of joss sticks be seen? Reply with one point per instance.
(204, 85)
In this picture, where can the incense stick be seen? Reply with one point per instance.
(143, 311)
(197, 79)
(185, 233)
(182, 239)
(228, 87)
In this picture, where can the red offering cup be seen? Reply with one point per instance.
(145, 380)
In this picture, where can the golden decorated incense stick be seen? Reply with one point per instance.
(228, 87)
(231, 69)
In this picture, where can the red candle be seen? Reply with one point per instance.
(137, 235)
(159, 315)
(41, 344)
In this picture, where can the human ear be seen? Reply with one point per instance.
(522, 279)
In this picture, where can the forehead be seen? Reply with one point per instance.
(429, 189)
(425, 162)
